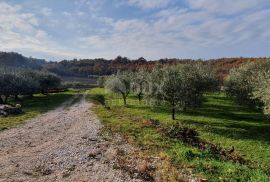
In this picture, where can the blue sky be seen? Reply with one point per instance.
(66, 29)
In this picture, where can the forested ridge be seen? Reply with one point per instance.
(100, 66)
(86, 67)
(13, 59)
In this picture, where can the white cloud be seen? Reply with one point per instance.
(203, 28)
(227, 6)
(149, 4)
(20, 31)
(129, 25)
(46, 11)
(93, 5)
(178, 31)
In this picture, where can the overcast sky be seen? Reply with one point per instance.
(65, 29)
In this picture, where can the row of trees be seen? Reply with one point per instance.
(100, 66)
(250, 85)
(15, 82)
(179, 86)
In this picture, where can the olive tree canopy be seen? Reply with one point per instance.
(181, 86)
(119, 83)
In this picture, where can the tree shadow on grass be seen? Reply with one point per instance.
(228, 119)
(234, 130)
(222, 116)
(42, 103)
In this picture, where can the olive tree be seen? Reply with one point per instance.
(14, 82)
(31, 82)
(139, 82)
(249, 84)
(262, 91)
(153, 91)
(243, 81)
(182, 86)
(239, 84)
(119, 83)
(48, 81)
(8, 86)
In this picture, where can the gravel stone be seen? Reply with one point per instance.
(61, 145)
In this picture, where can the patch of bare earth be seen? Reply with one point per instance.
(61, 145)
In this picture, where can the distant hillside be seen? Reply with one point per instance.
(100, 66)
(13, 59)
(86, 67)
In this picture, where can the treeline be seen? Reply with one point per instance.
(26, 82)
(100, 66)
(13, 59)
(178, 87)
(250, 85)
(86, 67)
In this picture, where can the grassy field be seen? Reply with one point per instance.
(219, 121)
(34, 106)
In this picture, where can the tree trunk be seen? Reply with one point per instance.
(140, 96)
(16, 97)
(173, 113)
(173, 109)
(1, 100)
(124, 98)
(42, 92)
(125, 101)
(6, 99)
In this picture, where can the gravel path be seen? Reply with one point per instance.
(61, 145)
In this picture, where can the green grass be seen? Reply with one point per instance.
(219, 121)
(34, 106)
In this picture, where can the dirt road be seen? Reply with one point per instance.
(61, 145)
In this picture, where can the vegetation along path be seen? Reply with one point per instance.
(60, 145)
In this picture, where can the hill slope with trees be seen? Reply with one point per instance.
(12, 59)
(86, 67)
(100, 66)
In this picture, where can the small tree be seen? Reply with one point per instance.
(139, 82)
(9, 85)
(48, 81)
(172, 88)
(31, 82)
(246, 79)
(14, 82)
(261, 90)
(153, 91)
(182, 86)
(249, 84)
(119, 83)
(239, 84)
